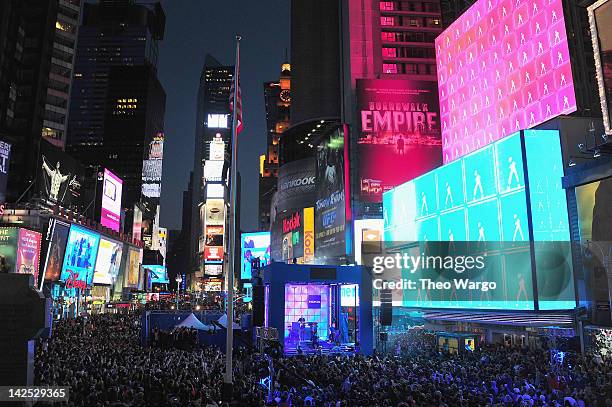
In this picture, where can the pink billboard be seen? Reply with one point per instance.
(28, 252)
(503, 66)
(399, 137)
(112, 187)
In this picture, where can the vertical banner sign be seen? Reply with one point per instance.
(5, 159)
(309, 237)
(400, 133)
(110, 215)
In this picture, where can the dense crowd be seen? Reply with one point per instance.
(182, 338)
(103, 363)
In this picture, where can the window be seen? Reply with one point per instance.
(414, 22)
(433, 22)
(387, 36)
(411, 69)
(389, 68)
(389, 53)
(387, 6)
(387, 21)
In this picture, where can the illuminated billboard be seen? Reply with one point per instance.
(80, 258)
(399, 135)
(213, 269)
(213, 249)
(217, 121)
(5, 160)
(600, 20)
(28, 252)
(214, 212)
(254, 245)
(486, 196)
(503, 66)
(108, 263)
(213, 171)
(112, 187)
(368, 237)
(8, 249)
(156, 274)
(57, 238)
(287, 234)
(60, 178)
(217, 149)
(132, 268)
(152, 168)
(215, 191)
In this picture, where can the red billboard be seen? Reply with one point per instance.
(399, 136)
(503, 66)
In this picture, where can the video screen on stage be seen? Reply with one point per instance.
(110, 215)
(80, 258)
(503, 66)
(57, 236)
(108, 263)
(254, 245)
(482, 198)
(399, 136)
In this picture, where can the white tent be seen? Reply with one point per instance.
(223, 322)
(192, 322)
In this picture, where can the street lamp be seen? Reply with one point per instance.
(178, 280)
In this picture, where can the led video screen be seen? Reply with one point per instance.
(80, 258)
(156, 274)
(399, 136)
(28, 252)
(254, 245)
(110, 215)
(483, 197)
(58, 235)
(132, 277)
(108, 263)
(503, 66)
(600, 19)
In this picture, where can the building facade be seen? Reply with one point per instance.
(277, 95)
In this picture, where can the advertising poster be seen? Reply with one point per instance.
(296, 185)
(152, 168)
(212, 285)
(213, 269)
(502, 69)
(60, 178)
(137, 223)
(330, 219)
(5, 159)
(133, 267)
(217, 149)
(108, 263)
(57, 236)
(110, 215)
(287, 236)
(214, 212)
(254, 245)
(399, 136)
(28, 252)
(80, 258)
(8, 249)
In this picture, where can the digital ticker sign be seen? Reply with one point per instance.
(503, 66)
(485, 197)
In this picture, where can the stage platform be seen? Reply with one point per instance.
(324, 348)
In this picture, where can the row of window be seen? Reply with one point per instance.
(408, 36)
(410, 6)
(412, 52)
(411, 21)
(410, 69)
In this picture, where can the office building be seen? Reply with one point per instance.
(277, 95)
(37, 45)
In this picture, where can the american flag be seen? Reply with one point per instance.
(236, 88)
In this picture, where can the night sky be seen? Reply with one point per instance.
(193, 29)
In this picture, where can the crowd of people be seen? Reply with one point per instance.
(104, 364)
(181, 338)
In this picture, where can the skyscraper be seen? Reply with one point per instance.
(211, 169)
(277, 95)
(37, 44)
(118, 104)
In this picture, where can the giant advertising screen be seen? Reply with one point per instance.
(503, 66)
(110, 215)
(108, 263)
(254, 245)
(80, 258)
(57, 237)
(28, 252)
(600, 19)
(152, 167)
(399, 135)
(5, 160)
(330, 217)
(213, 249)
(482, 198)
(296, 186)
(156, 274)
(132, 269)
(60, 178)
(8, 249)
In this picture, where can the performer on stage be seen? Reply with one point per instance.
(302, 323)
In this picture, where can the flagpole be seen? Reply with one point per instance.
(229, 339)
